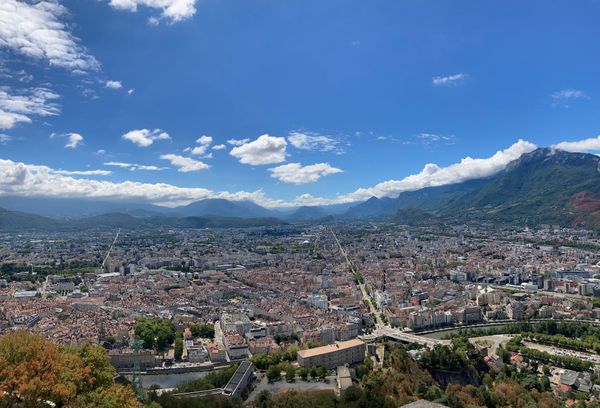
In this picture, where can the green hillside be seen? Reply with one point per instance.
(544, 186)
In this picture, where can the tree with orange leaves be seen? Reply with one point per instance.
(35, 372)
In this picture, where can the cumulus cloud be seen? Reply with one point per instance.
(134, 166)
(204, 140)
(131, 91)
(185, 164)
(448, 80)
(219, 147)
(20, 107)
(204, 143)
(73, 140)
(36, 30)
(28, 180)
(264, 150)
(433, 175)
(197, 150)
(295, 173)
(591, 144)
(171, 10)
(113, 84)
(145, 137)
(83, 172)
(306, 141)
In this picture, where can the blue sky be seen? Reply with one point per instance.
(352, 94)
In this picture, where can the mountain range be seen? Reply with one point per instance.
(543, 186)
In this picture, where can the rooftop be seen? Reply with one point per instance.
(330, 348)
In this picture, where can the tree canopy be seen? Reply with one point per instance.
(34, 371)
(156, 333)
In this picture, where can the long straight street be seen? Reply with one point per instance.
(361, 285)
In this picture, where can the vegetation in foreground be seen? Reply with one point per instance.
(34, 371)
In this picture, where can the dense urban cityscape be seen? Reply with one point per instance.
(299, 204)
(240, 294)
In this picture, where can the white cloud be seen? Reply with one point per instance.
(566, 96)
(237, 142)
(219, 147)
(569, 94)
(74, 140)
(36, 30)
(5, 138)
(171, 10)
(198, 150)
(145, 137)
(295, 173)
(433, 175)
(431, 138)
(591, 144)
(185, 164)
(83, 172)
(307, 141)
(264, 150)
(135, 166)
(448, 80)
(18, 108)
(29, 180)
(204, 140)
(113, 84)
(131, 91)
(100, 152)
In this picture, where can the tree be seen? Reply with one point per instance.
(97, 361)
(304, 373)
(322, 372)
(156, 333)
(291, 353)
(313, 372)
(178, 345)
(263, 400)
(274, 373)
(32, 370)
(290, 373)
(352, 394)
(206, 331)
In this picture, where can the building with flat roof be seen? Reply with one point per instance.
(333, 355)
(240, 380)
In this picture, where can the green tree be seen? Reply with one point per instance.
(290, 373)
(156, 333)
(178, 345)
(352, 394)
(263, 400)
(274, 373)
(206, 331)
(322, 372)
